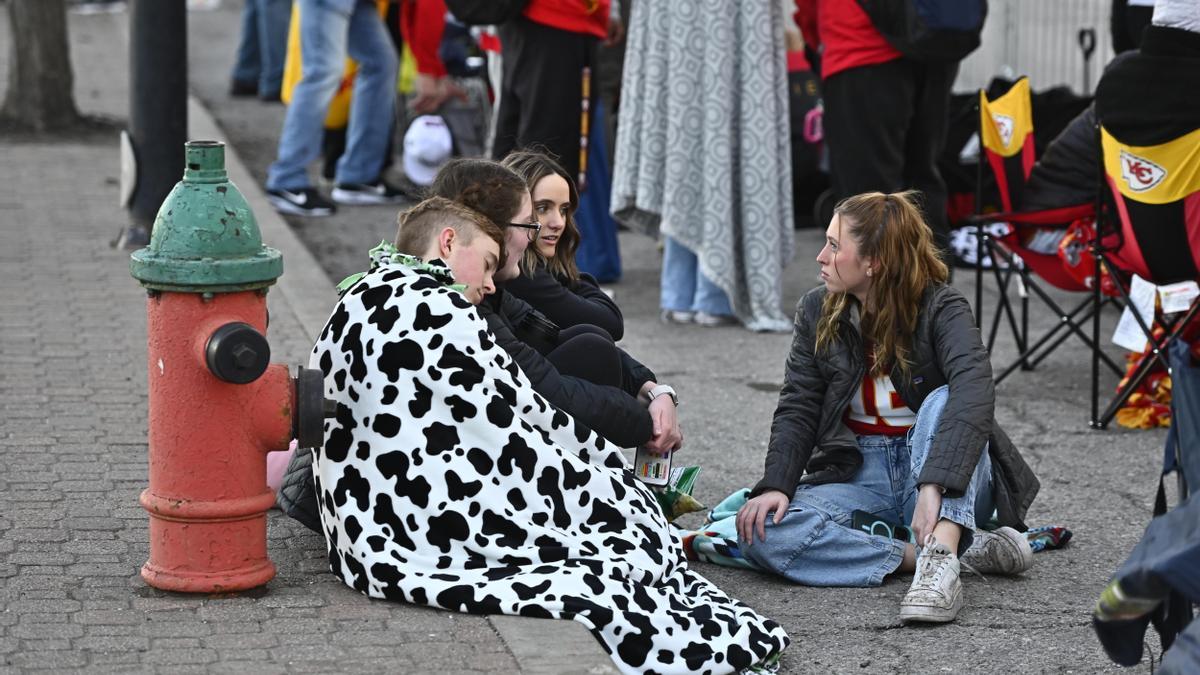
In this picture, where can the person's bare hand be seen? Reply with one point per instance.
(667, 436)
(752, 516)
(430, 92)
(927, 512)
(616, 32)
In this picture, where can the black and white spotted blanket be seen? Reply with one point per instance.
(446, 480)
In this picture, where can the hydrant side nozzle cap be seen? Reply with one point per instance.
(205, 237)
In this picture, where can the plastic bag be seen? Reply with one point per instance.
(676, 497)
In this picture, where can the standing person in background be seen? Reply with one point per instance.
(885, 113)
(258, 70)
(1127, 21)
(329, 31)
(548, 54)
(422, 23)
(703, 155)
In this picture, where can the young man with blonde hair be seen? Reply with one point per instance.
(470, 244)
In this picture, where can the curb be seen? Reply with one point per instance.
(539, 646)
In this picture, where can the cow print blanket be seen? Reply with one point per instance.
(446, 480)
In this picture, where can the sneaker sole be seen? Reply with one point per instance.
(714, 321)
(674, 317)
(927, 614)
(284, 206)
(361, 199)
(1024, 553)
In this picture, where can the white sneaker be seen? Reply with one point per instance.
(1004, 551)
(712, 320)
(676, 316)
(935, 595)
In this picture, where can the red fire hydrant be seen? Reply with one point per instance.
(217, 404)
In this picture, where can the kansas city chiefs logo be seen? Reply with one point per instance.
(1004, 124)
(1140, 174)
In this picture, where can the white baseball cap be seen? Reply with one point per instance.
(427, 146)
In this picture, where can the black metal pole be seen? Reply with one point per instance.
(157, 106)
(1101, 184)
(980, 246)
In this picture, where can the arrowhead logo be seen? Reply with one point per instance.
(1140, 174)
(1004, 125)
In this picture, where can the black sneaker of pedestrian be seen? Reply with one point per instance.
(303, 202)
(243, 88)
(379, 192)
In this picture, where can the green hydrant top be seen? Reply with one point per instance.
(205, 238)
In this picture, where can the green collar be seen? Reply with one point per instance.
(386, 255)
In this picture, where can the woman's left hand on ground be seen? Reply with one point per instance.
(927, 512)
(667, 435)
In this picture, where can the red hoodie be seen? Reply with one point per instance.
(577, 16)
(845, 33)
(422, 23)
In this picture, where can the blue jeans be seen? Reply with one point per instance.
(684, 287)
(815, 544)
(262, 47)
(329, 30)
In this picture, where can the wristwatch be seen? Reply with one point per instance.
(662, 389)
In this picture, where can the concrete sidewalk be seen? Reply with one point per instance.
(73, 439)
(73, 444)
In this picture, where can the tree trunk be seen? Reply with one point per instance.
(40, 80)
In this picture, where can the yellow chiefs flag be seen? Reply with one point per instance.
(1007, 121)
(339, 107)
(1155, 174)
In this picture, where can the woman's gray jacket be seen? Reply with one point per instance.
(811, 444)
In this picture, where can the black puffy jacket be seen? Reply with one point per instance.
(566, 303)
(616, 414)
(811, 444)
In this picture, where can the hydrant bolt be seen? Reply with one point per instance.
(236, 353)
(244, 356)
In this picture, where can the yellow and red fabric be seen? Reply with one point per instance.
(1156, 198)
(1006, 141)
(339, 108)
(1006, 135)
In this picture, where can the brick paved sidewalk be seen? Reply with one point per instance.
(73, 445)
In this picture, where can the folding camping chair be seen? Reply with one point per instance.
(1150, 226)
(1006, 139)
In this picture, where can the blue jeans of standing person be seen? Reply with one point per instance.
(262, 47)
(815, 544)
(329, 30)
(684, 287)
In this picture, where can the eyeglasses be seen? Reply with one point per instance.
(534, 228)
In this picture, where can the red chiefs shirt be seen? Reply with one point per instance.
(577, 16)
(876, 409)
(844, 33)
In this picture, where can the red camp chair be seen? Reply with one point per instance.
(1006, 140)
(1150, 225)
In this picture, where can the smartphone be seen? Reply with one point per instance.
(650, 468)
